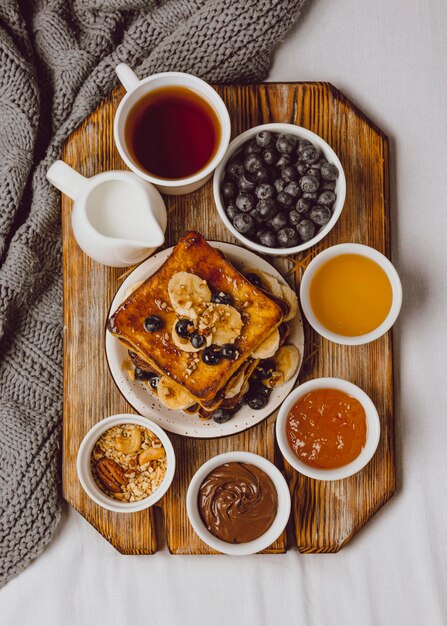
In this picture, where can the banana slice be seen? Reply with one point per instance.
(185, 344)
(287, 361)
(222, 321)
(172, 396)
(268, 347)
(271, 283)
(290, 297)
(189, 294)
(245, 389)
(236, 384)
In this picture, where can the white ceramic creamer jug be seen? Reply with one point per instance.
(118, 219)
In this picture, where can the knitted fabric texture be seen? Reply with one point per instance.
(57, 60)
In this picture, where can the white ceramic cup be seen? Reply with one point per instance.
(301, 133)
(372, 429)
(370, 253)
(279, 523)
(136, 89)
(85, 473)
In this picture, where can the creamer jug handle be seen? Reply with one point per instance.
(66, 179)
(127, 76)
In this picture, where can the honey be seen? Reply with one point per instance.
(350, 295)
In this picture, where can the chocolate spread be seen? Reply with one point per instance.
(237, 502)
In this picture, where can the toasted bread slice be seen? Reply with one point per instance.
(260, 315)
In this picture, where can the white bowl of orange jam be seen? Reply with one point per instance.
(351, 294)
(328, 429)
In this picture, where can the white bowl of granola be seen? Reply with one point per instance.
(125, 463)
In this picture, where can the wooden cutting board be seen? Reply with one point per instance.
(325, 515)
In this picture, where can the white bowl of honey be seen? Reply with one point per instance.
(328, 429)
(351, 294)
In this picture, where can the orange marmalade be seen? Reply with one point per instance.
(326, 428)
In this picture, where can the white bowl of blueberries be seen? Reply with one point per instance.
(280, 188)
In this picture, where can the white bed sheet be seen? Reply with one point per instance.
(389, 57)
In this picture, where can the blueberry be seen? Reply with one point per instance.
(256, 215)
(254, 279)
(309, 184)
(306, 229)
(293, 189)
(328, 185)
(284, 161)
(230, 352)
(280, 185)
(285, 199)
(153, 382)
(320, 214)
(329, 171)
(152, 323)
(245, 202)
(289, 173)
(265, 368)
(262, 389)
(220, 416)
(243, 223)
(232, 210)
(303, 206)
(265, 191)
(267, 208)
(314, 171)
(279, 221)
(253, 162)
(251, 147)
(221, 297)
(257, 401)
(184, 327)
(268, 238)
(197, 340)
(311, 197)
(295, 218)
(246, 182)
(211, 355)
(262, 175)
(302, 168)
(302, 143)
(287, 237)
(321, 161)
(142, 374)
(270, 155)
(286, 144)
(229, 189)
(327, 198)
(235, 167)
(264, 138)
(309, 154)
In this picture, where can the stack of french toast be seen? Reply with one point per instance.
(205, 337)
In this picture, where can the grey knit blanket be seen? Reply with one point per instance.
(57, 60)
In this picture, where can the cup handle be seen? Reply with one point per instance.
(66, 179)
(127, 77)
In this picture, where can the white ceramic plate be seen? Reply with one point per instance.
(179, 422)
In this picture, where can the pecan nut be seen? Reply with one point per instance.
(111, 475)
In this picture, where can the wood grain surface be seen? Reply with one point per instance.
(325, 515)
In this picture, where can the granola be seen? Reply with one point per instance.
(128, 462)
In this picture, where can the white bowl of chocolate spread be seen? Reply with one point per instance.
(238, 503)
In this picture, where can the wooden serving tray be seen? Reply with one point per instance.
(325, 515)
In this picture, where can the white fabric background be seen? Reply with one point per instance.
(389, 57)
